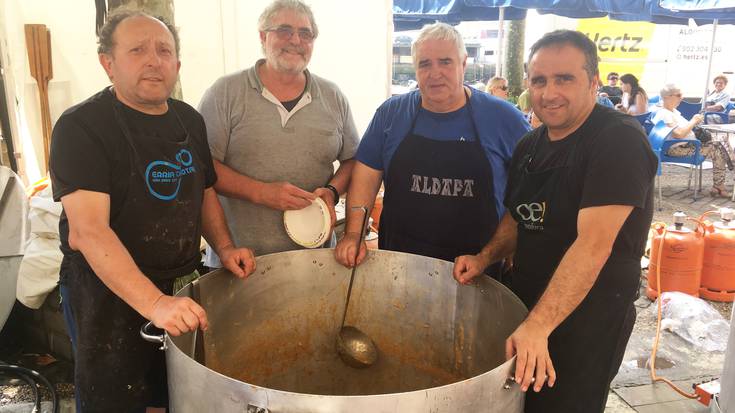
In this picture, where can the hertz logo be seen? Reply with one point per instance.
(624, 43)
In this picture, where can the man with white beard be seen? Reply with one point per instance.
(275, 130)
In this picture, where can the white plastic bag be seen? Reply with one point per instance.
(693, 319)
(39, 270)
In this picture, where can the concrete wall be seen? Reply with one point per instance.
(217, 36)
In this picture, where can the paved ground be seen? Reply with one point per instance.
(677, 360)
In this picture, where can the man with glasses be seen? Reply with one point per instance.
(275, 130)
(611, 90)
(498, 87)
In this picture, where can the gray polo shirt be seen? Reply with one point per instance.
(251, 132)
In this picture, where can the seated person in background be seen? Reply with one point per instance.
(498, 87)
(670, 99)
(524, 99)
(718, 99)
(611, 90)
(634, 100)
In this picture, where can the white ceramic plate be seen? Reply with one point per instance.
(308, 227)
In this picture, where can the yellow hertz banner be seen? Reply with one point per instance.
(622, 46)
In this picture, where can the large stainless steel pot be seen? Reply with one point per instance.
(271, 342)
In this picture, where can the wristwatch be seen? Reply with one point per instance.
(334, 192)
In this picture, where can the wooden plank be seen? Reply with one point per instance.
(38, 45)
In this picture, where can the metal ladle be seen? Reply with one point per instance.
(355, 348)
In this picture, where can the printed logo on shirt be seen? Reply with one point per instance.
(163, 178)
(442, 186)
(532, 215)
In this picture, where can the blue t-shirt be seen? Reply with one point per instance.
(499, 124)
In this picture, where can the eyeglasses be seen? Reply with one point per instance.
(503, 88)
(612, 78)
(286, 32)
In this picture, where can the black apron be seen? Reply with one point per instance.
(159, 224)
(439, 199)
(587, 348)
(160, 221)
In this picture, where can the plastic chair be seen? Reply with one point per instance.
(660, 144)
(719, 117)
(645, 120)
(656, 138)
(688, 110)
(716, 118)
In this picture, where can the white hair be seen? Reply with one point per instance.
(264, 22)
(670, 89)
(439, 31)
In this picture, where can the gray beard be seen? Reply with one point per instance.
(279, 65)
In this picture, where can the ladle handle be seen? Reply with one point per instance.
(198, 353)
(357, 254)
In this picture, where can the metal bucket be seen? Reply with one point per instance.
(271, 342)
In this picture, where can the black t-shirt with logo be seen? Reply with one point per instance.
(90, 152)
(614, 166)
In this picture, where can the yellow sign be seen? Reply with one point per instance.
(621, 46)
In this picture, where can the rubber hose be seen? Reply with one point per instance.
(34, 376)
(34, 389)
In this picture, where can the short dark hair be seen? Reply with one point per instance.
(105, 42)
(575, 39)
(609, 75)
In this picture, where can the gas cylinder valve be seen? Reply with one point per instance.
(727, 214)
(679, 219)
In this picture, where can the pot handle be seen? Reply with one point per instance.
(144, 332)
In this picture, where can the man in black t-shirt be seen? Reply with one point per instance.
(579, 205)
(133, 172)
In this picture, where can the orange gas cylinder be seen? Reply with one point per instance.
(680, 261)
(718, 268)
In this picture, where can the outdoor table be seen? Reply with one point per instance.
(727, 129)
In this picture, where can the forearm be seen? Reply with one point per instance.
(214, 226)
(681, 132)
(364, 185)
(341, 179)
(503, 242)
(112, 263)
(233, 184)
(571, 282)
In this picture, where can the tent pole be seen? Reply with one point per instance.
(709, 62)
(501, 32)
